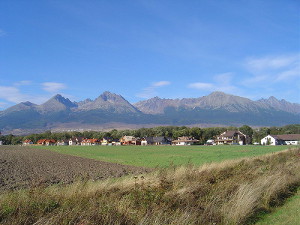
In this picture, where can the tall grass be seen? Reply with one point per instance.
(231, 192)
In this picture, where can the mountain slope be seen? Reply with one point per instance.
(109, 102)
(217, 108)
(214, 101)
(56, 104)
(282, 105)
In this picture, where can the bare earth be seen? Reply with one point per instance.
(23, 167)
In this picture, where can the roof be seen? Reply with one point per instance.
(27, 141)
(79, 139)
(157, 139)
(93, 140)
(193, 140)
(128, 138)
(231, 133)
(41, 141)
(287, 137)
(160, 139)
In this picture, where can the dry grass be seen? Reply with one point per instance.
(231, 192)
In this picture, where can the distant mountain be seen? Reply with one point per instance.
(56, 104)
(282, 105)
(110, 102)
(23, 106)
(217, 101)
(217, 108)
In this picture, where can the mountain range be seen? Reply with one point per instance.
(218, 108)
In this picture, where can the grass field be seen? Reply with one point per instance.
(163, 156)
(235, 192)
(288, 214)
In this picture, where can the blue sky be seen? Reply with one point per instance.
(142, 49)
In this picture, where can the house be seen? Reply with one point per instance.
(210, 142)
(75, 140)
(146, 140)
(156, 141)
(63, 142)
(184, 141)
(92, 141)
(46, 142)
(128, 140)
(106, 141)
(232, 137)
(115, 142)
(283, 139)
(27, 142)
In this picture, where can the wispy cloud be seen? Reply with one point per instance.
(161, 83)
(2, 33)
(222, 82)
(23, 83)
(151, 91)
(15, 93)
(271, 69)
(11, 94)
(53, 87)
(202, 86)
(271, 62)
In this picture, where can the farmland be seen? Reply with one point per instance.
(164, 156)
(23, 167)
(230, 192)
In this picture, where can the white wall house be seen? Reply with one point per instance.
(283, 139)
(184, 141)
(269, 140)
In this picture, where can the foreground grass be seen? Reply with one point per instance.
(231, 192)
(162, 156)
(288, 214)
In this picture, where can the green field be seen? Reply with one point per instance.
(288, 214)
(162, 156)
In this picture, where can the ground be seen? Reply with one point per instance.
(25, 167)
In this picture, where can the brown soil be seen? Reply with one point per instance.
(23, 167)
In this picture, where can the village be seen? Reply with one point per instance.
(230, 137)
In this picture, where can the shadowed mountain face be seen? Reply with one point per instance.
(216, 108)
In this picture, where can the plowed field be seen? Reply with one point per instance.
(22, 167)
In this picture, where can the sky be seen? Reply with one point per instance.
(145, 48)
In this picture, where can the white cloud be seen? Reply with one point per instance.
(11, 94)
(289, 74)
(161, 83)
(53, 87)
(150, 91)
(271, 62)
(272, 69)
(23, 83)
(202, 86)
(223, 82)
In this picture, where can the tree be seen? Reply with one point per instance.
(245, 129)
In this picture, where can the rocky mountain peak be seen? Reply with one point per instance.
(21, 107)
(108, 101)
(108, 96)
(55, 104)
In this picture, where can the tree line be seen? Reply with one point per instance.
(202, 134)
